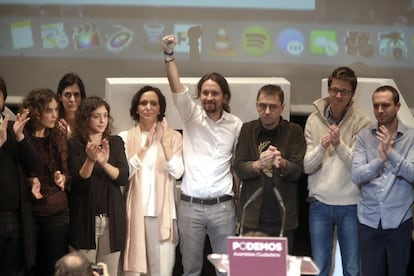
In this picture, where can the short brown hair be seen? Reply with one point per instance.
(346, 74)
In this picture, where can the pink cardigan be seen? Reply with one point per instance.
(135, 261)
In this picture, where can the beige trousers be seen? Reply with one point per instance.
(102, 253)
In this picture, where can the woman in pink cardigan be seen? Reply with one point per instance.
(154, 154)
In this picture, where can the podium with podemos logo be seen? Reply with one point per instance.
(257, 256)
(265, 256)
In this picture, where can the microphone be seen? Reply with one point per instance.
(282, 210)
(251, 198)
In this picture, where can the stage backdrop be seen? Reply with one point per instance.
(363, 97)
(300, 40)
(119, 92)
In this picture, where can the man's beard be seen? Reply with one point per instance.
(210, 108)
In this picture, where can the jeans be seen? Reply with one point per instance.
(52, 241)
(196, 220)
(322, 221)
(10, 244)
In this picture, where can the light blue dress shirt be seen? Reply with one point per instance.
(386, 187)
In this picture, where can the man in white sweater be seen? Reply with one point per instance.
(330, 133)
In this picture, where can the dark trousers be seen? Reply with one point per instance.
(52, 239)
(385, 252)
(11, 247)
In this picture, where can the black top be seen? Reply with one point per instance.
(9, 173)
(53, 154)
(97, 194)
(270, 218)
(17, 158)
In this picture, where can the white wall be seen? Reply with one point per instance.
(119, 92)
(363, 97)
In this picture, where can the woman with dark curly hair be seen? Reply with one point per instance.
(50, 182)
(99, 167)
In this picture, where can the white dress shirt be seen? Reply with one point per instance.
(208, 149)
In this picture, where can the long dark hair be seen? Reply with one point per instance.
(36, 102)
(69, 79)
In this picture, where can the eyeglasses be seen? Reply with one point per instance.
(264, 107)
(335, 91)
(69, 95)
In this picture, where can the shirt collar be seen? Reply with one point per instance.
(401, 129)
(331, 119)
(224, 116)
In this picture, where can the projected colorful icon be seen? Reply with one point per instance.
(256, 41)
(323, 42)
(86, 37)
(153, 33)
(22, 35)
(54, 36)
(183, 40)
(291, 42)
(392, 44)
(358, 43)
(222, 46)
(119, 40)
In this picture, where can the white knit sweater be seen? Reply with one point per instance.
(329, 170)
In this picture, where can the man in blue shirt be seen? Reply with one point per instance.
(383, 167)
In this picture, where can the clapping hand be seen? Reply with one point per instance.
(326, 140)
(335, 135)
(167, 148)
(98, 152)
(332, 137)
(102, 153)
(386, 142)
(18, 125)
(63, 126)
(143, 150)
(277, 157)
(162, 129)
(35, 182)
(60, 180)
(266, 157)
